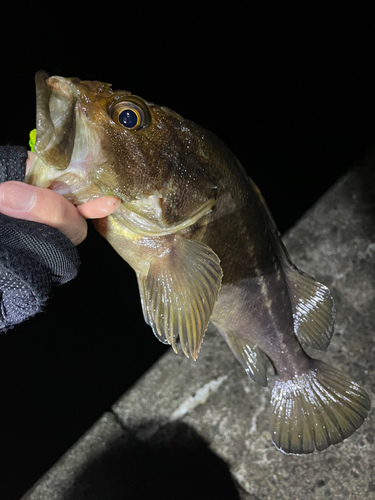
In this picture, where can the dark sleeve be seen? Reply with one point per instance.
(33, 256)
(12, 163)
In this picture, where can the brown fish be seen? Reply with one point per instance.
(202, 241)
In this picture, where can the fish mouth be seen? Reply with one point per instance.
(55, 122)
(69, 186)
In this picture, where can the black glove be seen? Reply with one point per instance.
(33, 256)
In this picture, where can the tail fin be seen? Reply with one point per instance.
(315, 410)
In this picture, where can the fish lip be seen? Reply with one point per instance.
(44, 123)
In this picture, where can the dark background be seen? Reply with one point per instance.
(290, 91)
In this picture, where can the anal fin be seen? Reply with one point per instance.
(254, 361)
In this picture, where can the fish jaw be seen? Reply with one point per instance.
(69, 147)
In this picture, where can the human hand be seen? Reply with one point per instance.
(23, 201)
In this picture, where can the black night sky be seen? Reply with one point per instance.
(290, 91)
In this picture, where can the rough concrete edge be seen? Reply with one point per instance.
(94, 441)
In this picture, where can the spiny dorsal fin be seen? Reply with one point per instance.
(315, 410)
(251, 357)
(179, 293)
(313, 309)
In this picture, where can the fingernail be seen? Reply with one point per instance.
(18, 197)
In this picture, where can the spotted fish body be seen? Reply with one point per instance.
(204, 246)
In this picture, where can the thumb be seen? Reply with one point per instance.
(23, 201)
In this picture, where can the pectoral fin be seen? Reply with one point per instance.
(179, 293)
(313, 309)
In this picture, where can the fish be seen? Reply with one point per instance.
(204, 246)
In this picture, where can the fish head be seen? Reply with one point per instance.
(93, 141)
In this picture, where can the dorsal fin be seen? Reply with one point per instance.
(312, 303)
(313, 309)
(179, 293)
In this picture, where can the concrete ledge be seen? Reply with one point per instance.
(200, 430)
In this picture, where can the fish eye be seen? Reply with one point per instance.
(129, 114)
(130, 118)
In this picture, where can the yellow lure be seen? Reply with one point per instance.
(32, 140)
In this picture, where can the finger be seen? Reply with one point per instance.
(99, 207)
(30, 158)
(42, 205)
(93, 209)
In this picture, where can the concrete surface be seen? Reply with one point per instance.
(200, 430)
